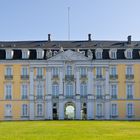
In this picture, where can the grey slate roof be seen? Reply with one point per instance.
(17, 46)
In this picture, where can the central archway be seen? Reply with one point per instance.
(69, 111)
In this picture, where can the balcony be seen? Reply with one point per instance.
(56, 77)
(39, 97)
(24, 97)
(129, 96)
(113, 77)
(69, 77)
(99, 76)
(83, 76)
(69, 96)
(113, 96)
(8, 77)
(83, 95)
(55, 96)
(99, 97)
(129, 77)
(24, 77)
(39, 77)
(8, 97)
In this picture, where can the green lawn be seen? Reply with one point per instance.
(70, 130)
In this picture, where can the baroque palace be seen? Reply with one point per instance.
(97, 80)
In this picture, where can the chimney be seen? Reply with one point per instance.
(49, 37)
(129, 39)
(89, 37)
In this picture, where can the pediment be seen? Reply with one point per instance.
(69, 55)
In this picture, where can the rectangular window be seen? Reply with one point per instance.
(113, 91)
(83, 71)
(69, 70)
(39, 91)
(114, 110)
(55, 89)
(99, 91)
(130, 111)
(83, 89)
(8, 110)
(129, 90)
(55, 71)
(113, 71)
(9, 71)
(39, 71)
(39, 110)
(99, 72)
(8, 91)
(24, 110)
(24, 71)
(24, 91)
(99, 110)
(69, 90)
(129, 70)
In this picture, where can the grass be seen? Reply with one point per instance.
(70, 130)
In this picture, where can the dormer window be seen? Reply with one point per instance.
(40, 54)
(113, 54)
(98, 53)
(128, 54)
(25, 54)
(9, 54)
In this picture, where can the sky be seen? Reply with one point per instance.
(35, 19)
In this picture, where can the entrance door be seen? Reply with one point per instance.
(69, 111)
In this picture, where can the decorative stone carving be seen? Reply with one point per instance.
(89, 54)
(49, 54)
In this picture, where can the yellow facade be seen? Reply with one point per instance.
(121, 101)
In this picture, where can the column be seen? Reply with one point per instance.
(78, 102)
(31, 97)
(61, 92)
(90, 101)
(77, 81)
(48, 113)
(107, 96)
(61, 96)
(61, 108)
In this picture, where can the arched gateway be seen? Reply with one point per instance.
(69, 111)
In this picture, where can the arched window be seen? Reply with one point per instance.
(55, 89)
(83, 89)
(69, 89)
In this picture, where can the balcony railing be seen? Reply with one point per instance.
(129, 77)
(129, 96)
(55, 96)
(99, 96)
(24, 77)
(39, 77)
(8, 77)
(83, 76)
(99, 76)
(69, 77)
(55, 77)
(69, 96)
(114, 96)
(24, 97)
(113, 77)
(39, 97)
(8, 97)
